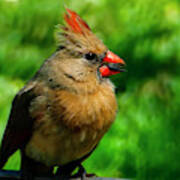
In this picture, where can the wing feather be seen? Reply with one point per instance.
(19, 126)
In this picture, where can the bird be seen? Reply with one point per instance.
(59, 117)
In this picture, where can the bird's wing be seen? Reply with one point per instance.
(19, 126)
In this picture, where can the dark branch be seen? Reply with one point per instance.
(15, 175)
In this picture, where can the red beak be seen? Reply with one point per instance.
(113, 64)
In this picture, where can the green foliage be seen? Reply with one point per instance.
(144, 140)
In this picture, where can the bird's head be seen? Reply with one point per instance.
(84, 51)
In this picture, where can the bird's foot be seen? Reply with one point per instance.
(82, 174)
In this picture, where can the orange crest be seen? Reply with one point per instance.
(75, 22)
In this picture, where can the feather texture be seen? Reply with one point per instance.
(75, 23)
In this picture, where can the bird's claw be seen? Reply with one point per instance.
(82, 173)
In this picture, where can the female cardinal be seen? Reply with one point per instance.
(62, 113)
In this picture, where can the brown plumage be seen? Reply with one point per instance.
(59, 117)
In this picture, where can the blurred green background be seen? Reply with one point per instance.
(144, 142)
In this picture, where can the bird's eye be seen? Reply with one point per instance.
(90, 56)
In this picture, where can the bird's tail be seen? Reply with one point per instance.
(2, 163)
(2, 159)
